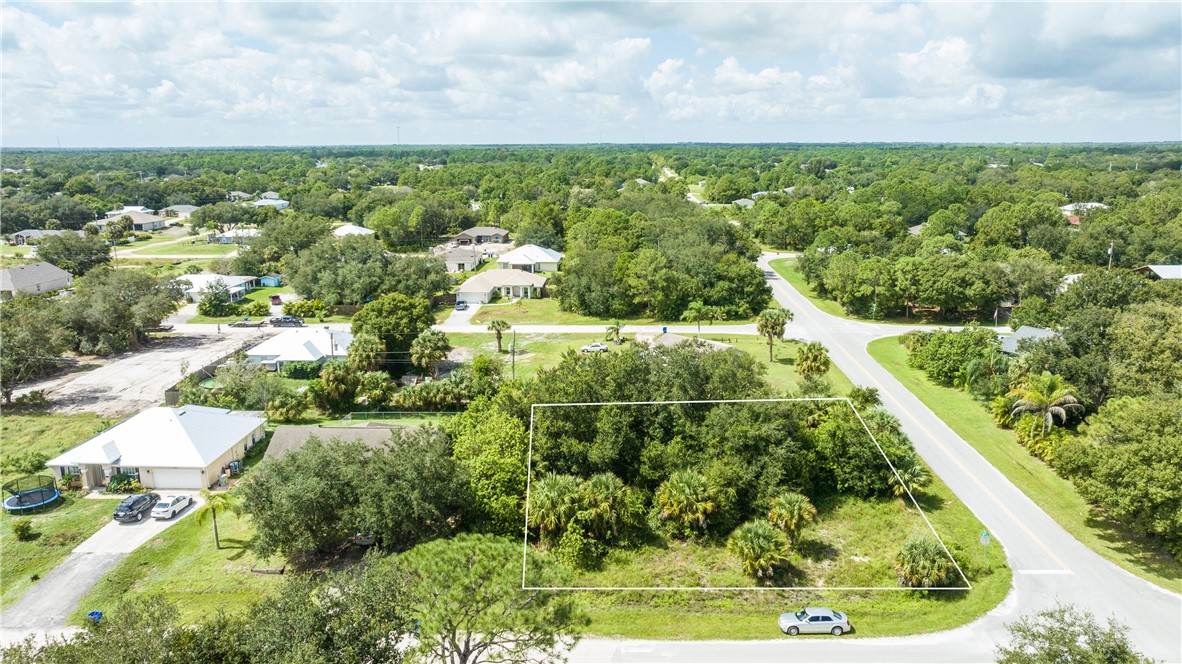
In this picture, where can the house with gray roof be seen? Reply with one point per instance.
(463, 259)
(290, 438)
(1009, 344)
(33, 279)
(482, 235)
(35, 235)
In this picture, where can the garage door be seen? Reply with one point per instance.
(165, 478)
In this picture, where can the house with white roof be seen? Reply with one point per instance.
(164, 448)
(463, 259)
(277, 203)
(178, 211)
(128, 209)
(235, 236)
(1076, 208)
(199, 285)
(351, 229)
(530, 258)
(33, 279)
(307, 344)
(1161, 271)
(483, 287)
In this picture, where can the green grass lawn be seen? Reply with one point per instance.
(781, 373)
(534, 351)
(852, 544)
(545, 311)
(196, 247)
(1055, 495)
(59, 530)
(45, 433)
(183, 565)
(15, 249)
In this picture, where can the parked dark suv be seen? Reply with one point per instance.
(135, 508)
(287, 321)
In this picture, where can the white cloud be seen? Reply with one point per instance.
(191, 73)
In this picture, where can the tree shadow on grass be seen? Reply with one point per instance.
(1146, 552)
(816, 550)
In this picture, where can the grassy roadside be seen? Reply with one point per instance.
(685, 615)
(1052, 493)
(786, 268)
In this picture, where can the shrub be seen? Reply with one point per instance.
(1036, 442)
(257, 309)
(286, 407)
(28, 463)
(23, 529)
(66, 483)
(307, 309)
(301, 370)
(760, 548)
(923, 563)
(575, 549)
(122, 483)
(64, 538)
(31, 400)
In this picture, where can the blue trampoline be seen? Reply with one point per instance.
(29, 493)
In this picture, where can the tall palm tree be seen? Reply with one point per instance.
(429, 349)
(1048, 397)
(553, 502)
(791, 512)
(211, 503)
(694, 313)
(685, 499)
(365, 352)
(771, 324)
(615, 329)
(499, 327)
(913, 473)
(812, 360)
(759, 546)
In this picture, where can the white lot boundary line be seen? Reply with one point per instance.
(529, 478)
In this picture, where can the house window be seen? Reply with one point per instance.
(133, 473)
(71, 470)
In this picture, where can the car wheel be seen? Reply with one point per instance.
(139, 517)
(792, 631)
(836, 631)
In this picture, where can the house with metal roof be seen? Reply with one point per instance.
(530, 258)
(306, 344)
(199, 285)
(1161, 271)
(33, 279)
(164, 448)
(483, 287)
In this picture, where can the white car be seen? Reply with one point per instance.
(170, 506)
(594, 348)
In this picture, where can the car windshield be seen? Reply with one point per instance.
(801, 615)
(163, 505)
(838, 616)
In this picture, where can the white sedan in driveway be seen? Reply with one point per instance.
(170, 506)
(595, 347)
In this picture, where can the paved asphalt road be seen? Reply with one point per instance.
(44, 608)
(1049, 564)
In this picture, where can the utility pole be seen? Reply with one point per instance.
(1110, 254)
(513, 354)
(398, 134)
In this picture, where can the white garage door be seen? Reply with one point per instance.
(164, 478)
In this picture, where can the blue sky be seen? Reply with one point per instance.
(253, 73)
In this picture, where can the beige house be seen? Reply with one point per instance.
(482, 235)
(164, 448)
(483, 287)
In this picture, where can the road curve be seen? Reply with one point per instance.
(1049, 564)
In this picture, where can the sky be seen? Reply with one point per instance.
(381, 73)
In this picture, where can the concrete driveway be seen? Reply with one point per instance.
(134, 381)
(462, 318)
(44, 608)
